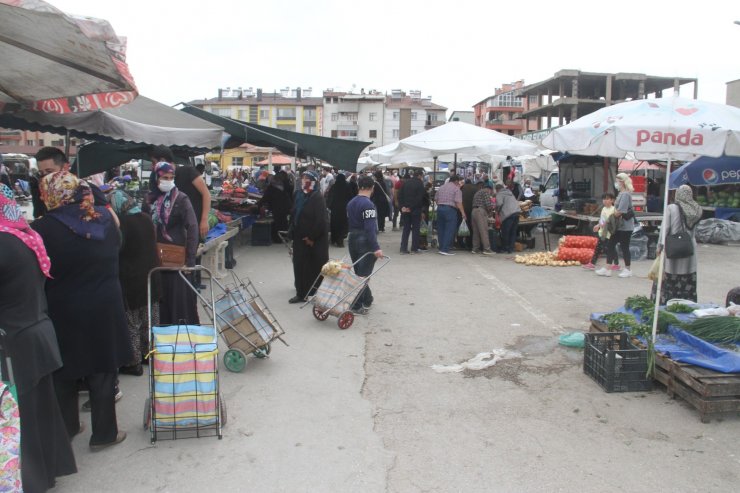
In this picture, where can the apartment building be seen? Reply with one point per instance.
(502, 111)
(287, 109)
(409, 114)
(354, 116)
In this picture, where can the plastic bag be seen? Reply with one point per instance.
(463, 229)
(572, 339)
(653, 272)
(423, 228)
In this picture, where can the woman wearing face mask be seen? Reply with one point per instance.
(310, 235)
(175, 222)
(625, 214)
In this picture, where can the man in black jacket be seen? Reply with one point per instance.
(410, 199)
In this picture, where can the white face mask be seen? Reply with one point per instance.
(616, 185)
(166, 185)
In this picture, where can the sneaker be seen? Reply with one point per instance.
(589, 266)
(449, 254)
(360, 311)
(625, 273)
(473, 252)
(404, 252)
(487, 252)
(604, 272)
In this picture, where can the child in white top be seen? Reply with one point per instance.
(607, 210)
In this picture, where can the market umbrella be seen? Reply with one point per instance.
(54, 62)
(670, 128)
(708, 171)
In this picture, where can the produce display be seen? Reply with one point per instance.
(721, 199)
(723, 330)
(679, 308)
(544, 259)
(647, 307)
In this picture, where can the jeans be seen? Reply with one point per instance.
(411, 224)
(446, 226)
(359, 244)
(508, 233)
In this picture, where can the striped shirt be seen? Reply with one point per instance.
(449, 194)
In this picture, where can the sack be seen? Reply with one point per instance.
(679, 245)
(463, 229)
(171, 255)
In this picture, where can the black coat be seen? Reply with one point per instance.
(308, 260)
(85, 300)
(137, 257)
(31, 340)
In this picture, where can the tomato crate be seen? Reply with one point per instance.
(615, 363)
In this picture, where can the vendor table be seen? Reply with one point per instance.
(534, 222)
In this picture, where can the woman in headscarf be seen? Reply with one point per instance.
(175, 224)
(310, 235)
(679, 274)
(137, 257)
(626, 215)
(85, 302)
(381, 199)
(278, 199)
(32, 346)
(339, 195)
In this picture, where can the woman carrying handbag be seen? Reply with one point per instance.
(679, 273)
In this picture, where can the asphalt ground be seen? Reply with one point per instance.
(362, 410)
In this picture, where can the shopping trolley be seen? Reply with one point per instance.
(337, 288)
(184, 399)
(245, 323)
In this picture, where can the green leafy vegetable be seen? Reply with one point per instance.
(679, 308)
(723, 330)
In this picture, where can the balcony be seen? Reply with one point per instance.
(286, 118)
(430, 124)
(345, 107)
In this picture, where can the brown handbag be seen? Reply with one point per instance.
(171, 255)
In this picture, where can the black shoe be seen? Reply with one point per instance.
(404, 252)
(135, 370)
(296, 299)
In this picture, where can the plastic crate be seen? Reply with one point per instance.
(615, 363)
(262, 234)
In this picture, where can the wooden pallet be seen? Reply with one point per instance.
(710, 392)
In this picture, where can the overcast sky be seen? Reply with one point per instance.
(458, 52)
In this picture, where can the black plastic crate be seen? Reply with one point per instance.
(652, 246)
(615, 363)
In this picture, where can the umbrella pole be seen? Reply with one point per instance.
(661, 241)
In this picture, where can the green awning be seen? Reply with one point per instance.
(340, 153)
(96, 157)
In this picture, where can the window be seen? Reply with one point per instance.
(395, 133)
(414, 132)
(352, 117)
(222, 112)
(334, 134)
(309, 130)
(334, 117)
(265, 114)
(432, 117)
(241, 115)
(286, 113)
(413, 115)
(237, 161)
(30, 143)
(372, 117)
(257, 159)
(290, 128)
(41, 142)
(309, 114)
(373, 134)
(253, 113)
(395, 115)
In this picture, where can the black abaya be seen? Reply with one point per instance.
(308, 260)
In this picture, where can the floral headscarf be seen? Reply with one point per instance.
(70, 201)
(13, 222)
(123, 203)
(692, 211)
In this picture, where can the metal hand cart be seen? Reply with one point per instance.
(244, 322)
(287, 241)
(335, 294)
(184, 396)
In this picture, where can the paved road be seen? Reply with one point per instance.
(361, 410)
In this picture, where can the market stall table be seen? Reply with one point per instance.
(535, 221)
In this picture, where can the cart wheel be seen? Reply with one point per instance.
(319, 313)
(263, 351)
(345, 320)
(147, 412)
(235, 360)
(222, 411)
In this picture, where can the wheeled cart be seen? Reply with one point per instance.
(184, 398)
(337, 288)
(245, 323)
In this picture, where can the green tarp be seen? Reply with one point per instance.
(340, 153)
(97, 157)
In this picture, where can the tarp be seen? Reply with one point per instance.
(54, 62)
(340, 153)
(475, 143)
(142, 121)
(96, 157)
